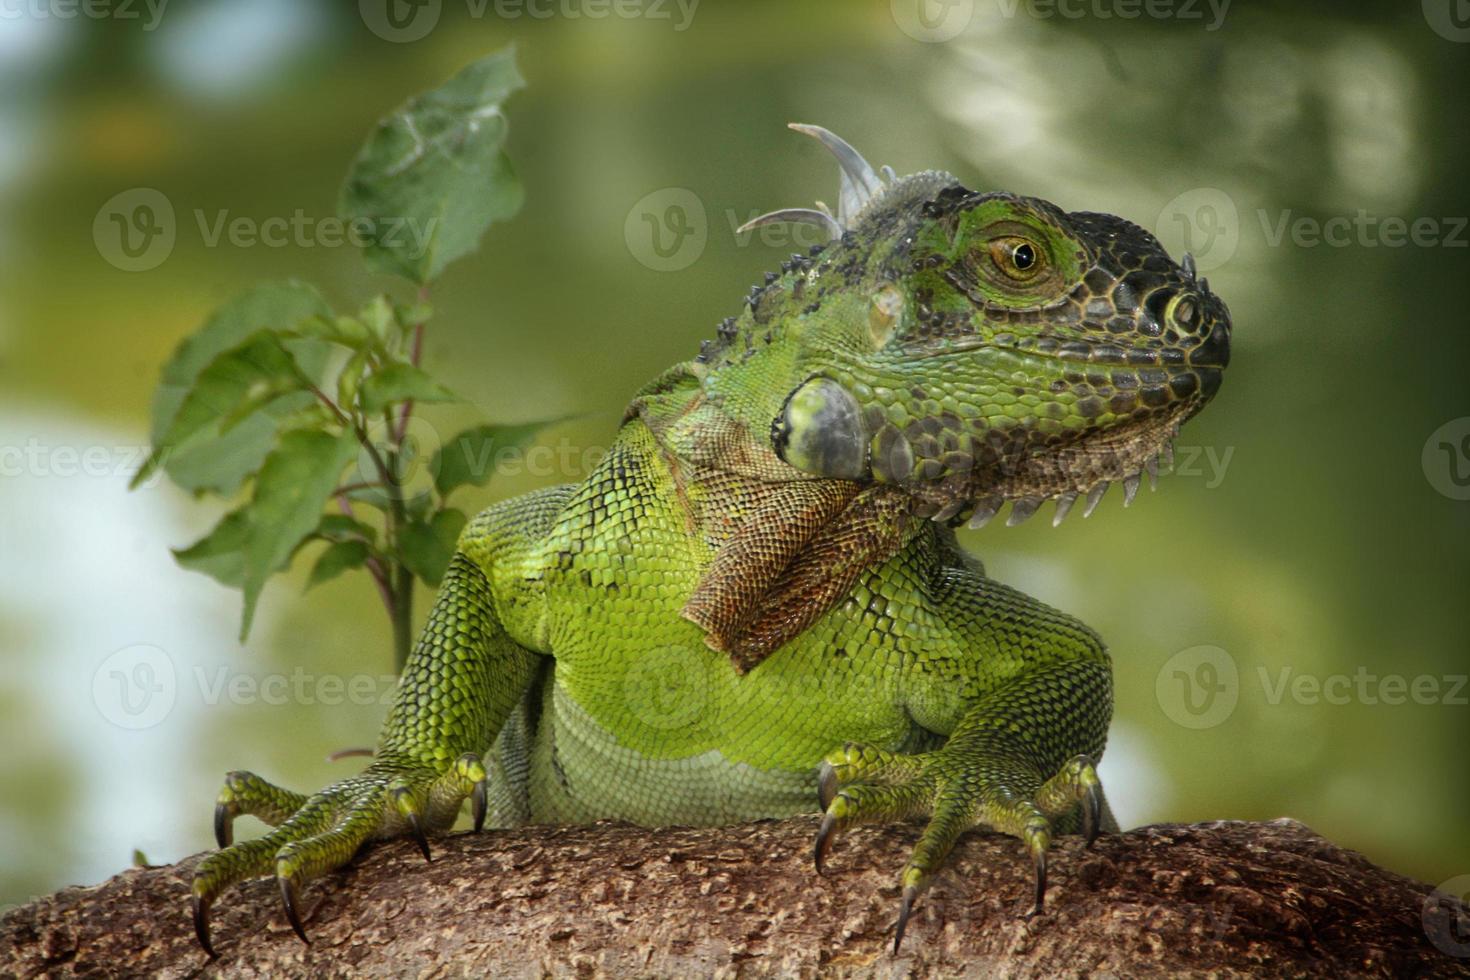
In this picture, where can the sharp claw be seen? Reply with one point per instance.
(1040, 861)
(201, 924)
(288, 899)
(905, 907)
(1091, 814)
(417, 827)
(824, 840)
(826, 784)
(478, 805)
(223, 825)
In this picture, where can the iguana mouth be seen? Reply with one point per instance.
(1084, 471)
(1212, 350)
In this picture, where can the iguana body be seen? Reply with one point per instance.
(755, 606)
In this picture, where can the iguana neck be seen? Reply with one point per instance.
(702, 420)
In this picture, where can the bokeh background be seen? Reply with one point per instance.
(1316, 527)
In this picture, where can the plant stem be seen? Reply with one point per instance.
(374, 567)
(402, 614)
(415, 352)
(401, 611)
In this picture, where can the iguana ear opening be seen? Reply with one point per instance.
(819, 430)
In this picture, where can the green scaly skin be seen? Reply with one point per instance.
(755, 604)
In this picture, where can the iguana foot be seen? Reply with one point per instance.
(960, 786)
(316, 834)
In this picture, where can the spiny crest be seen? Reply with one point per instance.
(861, 190)
(859, 186)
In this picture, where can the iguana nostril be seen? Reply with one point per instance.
(1214, 348)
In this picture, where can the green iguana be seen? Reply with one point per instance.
(756, 603)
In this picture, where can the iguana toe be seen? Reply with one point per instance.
(959, 787)
(320, 833)
(247, 793)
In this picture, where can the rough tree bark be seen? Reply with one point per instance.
(1226, 899)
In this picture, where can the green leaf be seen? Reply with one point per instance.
(236, 384)
(425, 548)
(338, 558)
(222, 461)
(295, 481)
(220, 554)
(432, 176)
(343, 330)
(470, 457)
(399, 382)
(341, 527)
(349, 380)
(412, 314)
(379, 318)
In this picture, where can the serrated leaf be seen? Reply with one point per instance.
(470, 457)
(296, 479)
(400, 382)
(251, 375)
(425, 548)
(261, 399)
(432, 176)
(220, 554)
(338, 558)
(222, 462)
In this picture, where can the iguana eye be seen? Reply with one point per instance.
(1016, 258)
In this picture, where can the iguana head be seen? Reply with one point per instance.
(971, 348)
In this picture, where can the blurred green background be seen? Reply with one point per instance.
(1313, 529)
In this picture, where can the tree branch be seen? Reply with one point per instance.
(1228, 898)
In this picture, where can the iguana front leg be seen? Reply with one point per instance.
(465, 676)
(1025, 696)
